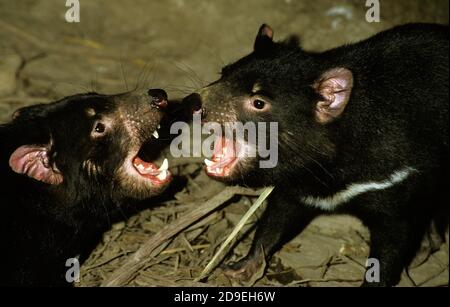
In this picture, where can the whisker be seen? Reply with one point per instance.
(190, 73)
(122, 68)
(138, 79)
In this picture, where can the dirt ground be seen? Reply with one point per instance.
(180, 45)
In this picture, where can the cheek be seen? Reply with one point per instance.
(118, 149)
(97, 151)
(104, 160)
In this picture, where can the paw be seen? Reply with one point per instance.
(247, 271)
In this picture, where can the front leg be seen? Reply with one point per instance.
(393, 244)
(283, 219)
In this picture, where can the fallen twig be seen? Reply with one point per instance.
(132, 266)
(181, 249)
(306, 281)
(120, 255)
(431, 278)
(236, 230)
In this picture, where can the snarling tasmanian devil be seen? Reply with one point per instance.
(67, 169)
(362, 130)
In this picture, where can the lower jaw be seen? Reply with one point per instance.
(156, 183)
(149, 172)
(215, 175)
(226, 172)
(142, 189)
(139, 184)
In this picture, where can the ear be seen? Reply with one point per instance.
(335, 87)
(30, 112)
(293, 41)
(264, 40)
(34, 162)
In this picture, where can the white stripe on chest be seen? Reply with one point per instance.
(356, 189)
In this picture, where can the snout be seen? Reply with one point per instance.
(179, 110)
(158, 98)
(194, 104)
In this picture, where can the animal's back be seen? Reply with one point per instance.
(401, 89)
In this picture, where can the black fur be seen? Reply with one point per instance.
(45, 224)
(396, 118)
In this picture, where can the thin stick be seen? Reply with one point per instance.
(90, 268)
(236, 230)
(181, 249)
(306, 281)
(132, 266)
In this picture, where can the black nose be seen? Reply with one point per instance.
(159, 98)
(194, 103)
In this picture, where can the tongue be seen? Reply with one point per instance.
(224, 150)
(145, 168)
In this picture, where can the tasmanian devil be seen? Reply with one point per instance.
(68, 168)
(362, 130)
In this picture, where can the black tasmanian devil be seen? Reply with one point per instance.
(362, 130)
(67, 169)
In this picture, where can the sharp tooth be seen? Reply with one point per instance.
(141, 167)
(219, 171)
(209, 163)
(164, 166)
(162, 176)
(159, 127)
(156, 134)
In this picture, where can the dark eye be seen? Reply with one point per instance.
(259, 104)
(100, 128)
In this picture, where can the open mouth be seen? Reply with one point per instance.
(148, 170)
(158, 176)
(224, 158)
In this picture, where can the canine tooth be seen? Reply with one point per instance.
(164, 166)
(162, 175)
(209, 163)
(159, 127)
(141, 167)
(219, 171)
(156, 134)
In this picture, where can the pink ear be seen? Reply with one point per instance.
(335, 86)
(267, 31)
(264, 40)
(33, 161)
